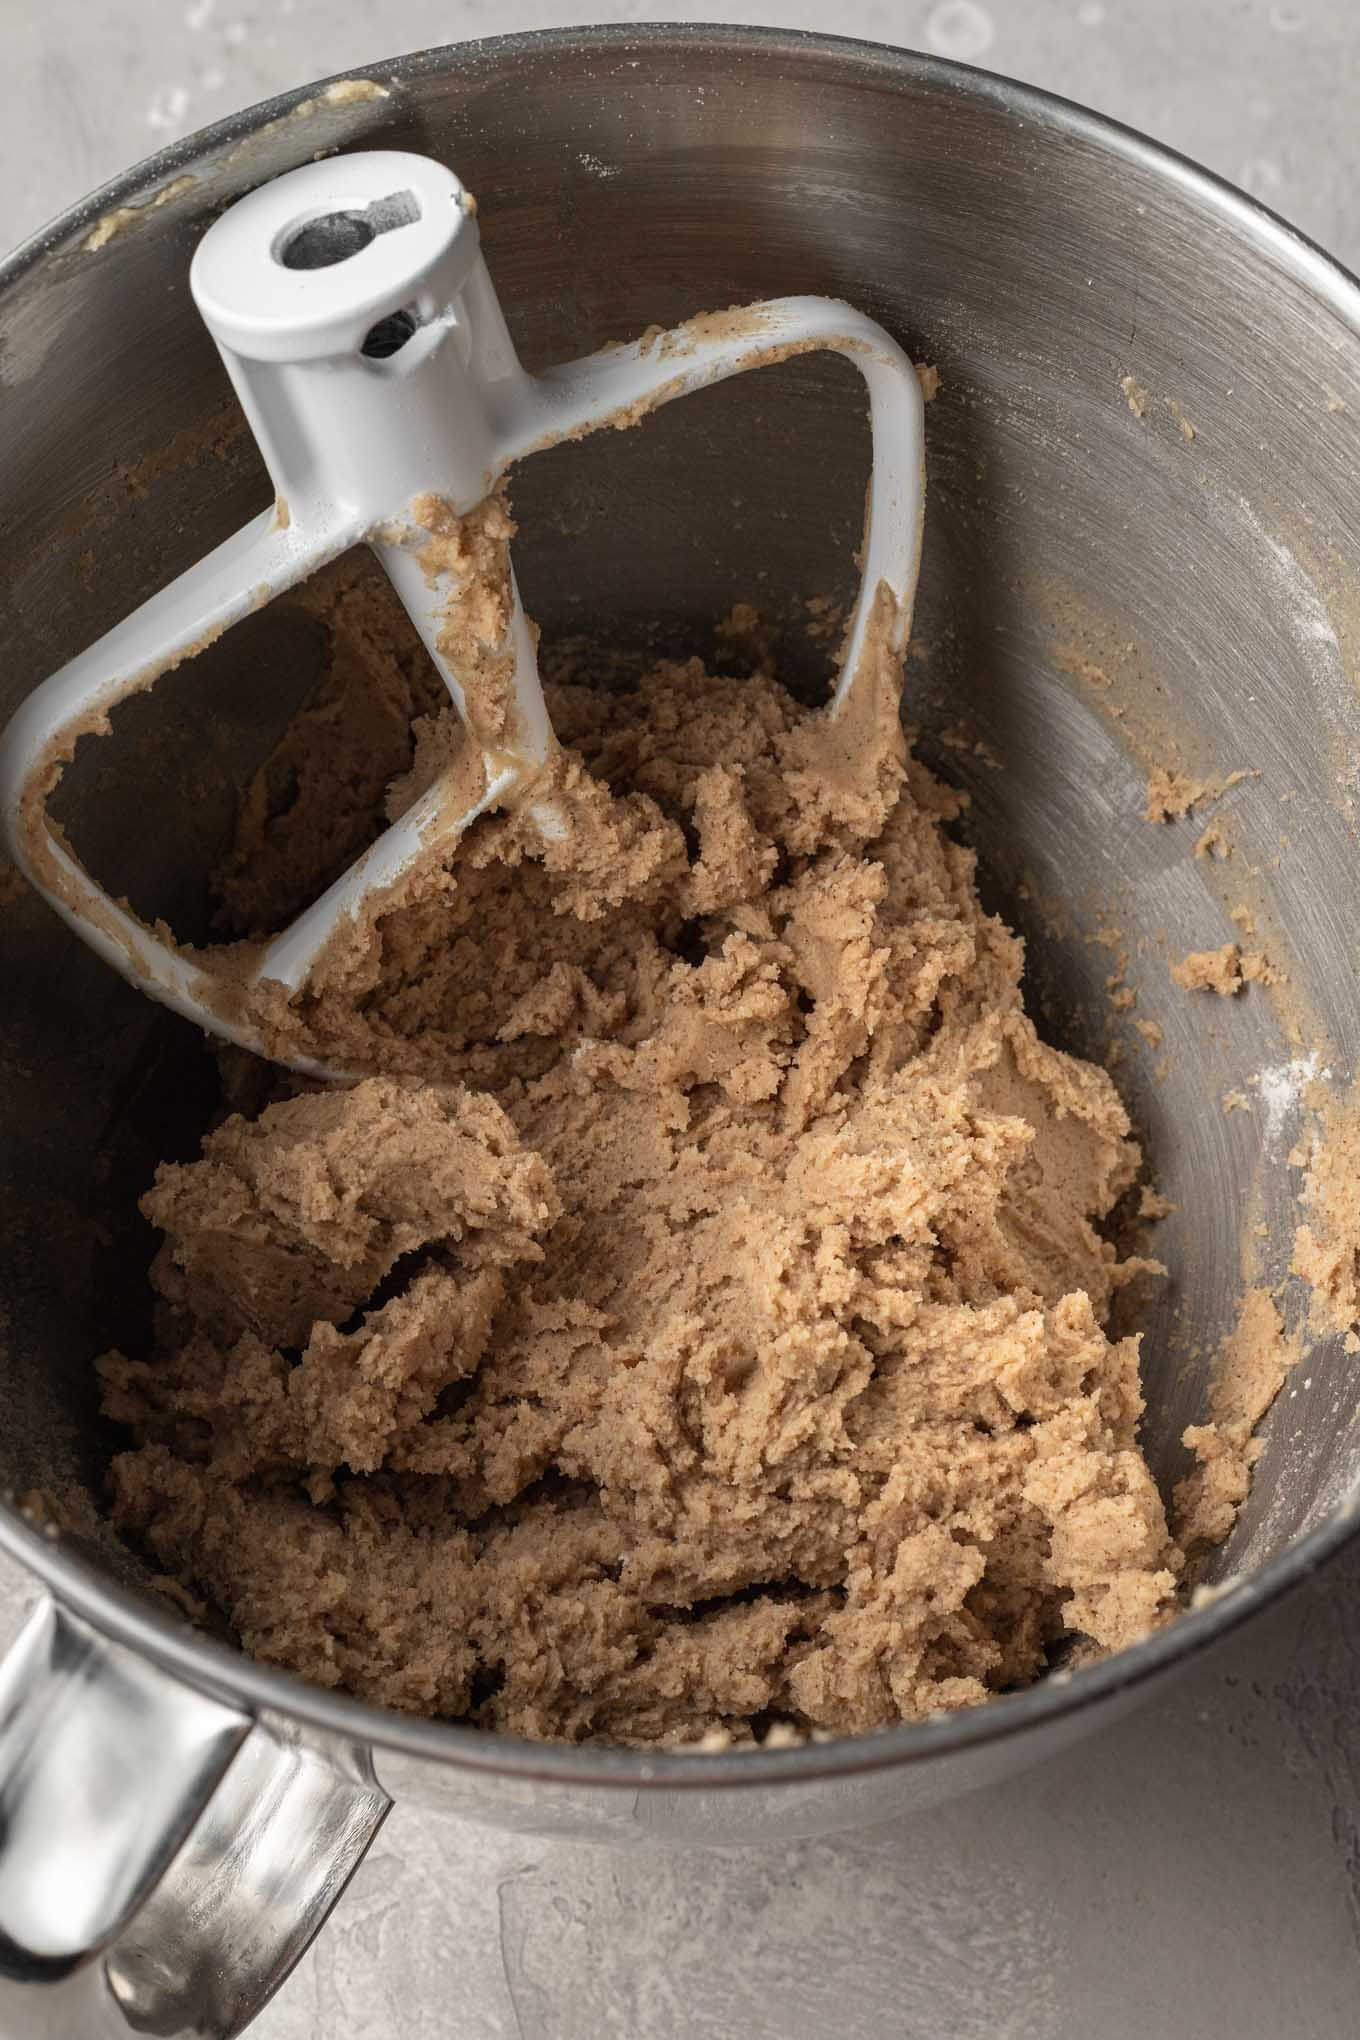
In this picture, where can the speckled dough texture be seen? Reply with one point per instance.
(695, 1321)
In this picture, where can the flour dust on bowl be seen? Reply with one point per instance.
(1133, 590)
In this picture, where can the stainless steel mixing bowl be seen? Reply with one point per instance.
(1101, 591)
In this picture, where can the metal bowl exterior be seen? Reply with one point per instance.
(1036, 254)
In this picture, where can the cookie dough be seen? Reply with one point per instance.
(694, 1324)
(1224, 971)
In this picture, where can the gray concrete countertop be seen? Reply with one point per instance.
(1194, 1871)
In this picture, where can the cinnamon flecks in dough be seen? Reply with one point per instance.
(700, 1319)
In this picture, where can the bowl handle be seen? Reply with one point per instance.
(165, 1857)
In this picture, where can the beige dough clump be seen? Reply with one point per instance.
(697, 1321)
(1224, 971)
